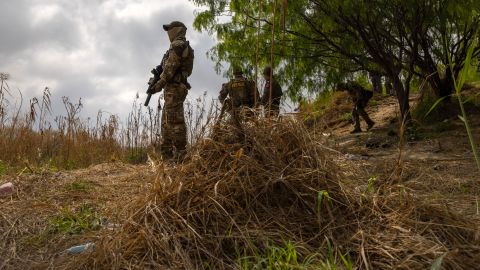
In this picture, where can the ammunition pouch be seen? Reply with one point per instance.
(180, 77)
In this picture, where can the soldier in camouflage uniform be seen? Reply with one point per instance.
(271, 101)
(360, 97)
(242, 94)
(376, 80)
(177, 66)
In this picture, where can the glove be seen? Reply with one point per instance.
(158, 87)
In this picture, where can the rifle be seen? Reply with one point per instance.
(157, 71)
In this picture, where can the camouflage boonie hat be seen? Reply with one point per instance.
(173, 24)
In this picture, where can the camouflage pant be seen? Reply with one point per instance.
(174, 130)
(359, 110)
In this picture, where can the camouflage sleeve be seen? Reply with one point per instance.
(252, 93)
(173, 62)
(277, 90)
(223, 93)
(356, 96)
(264, 98)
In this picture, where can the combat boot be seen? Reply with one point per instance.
(370, 125)
(356, 130)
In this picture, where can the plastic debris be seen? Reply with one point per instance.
(80, 248)
(355, 157)
(6, 189)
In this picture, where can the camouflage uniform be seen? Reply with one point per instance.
(177, 66)
(242, 94)
(389, 86)
(360, 97)
(376, 80)
(272, 109)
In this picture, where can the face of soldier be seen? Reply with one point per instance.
(176, 32)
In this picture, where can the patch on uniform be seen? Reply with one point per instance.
(238, 85)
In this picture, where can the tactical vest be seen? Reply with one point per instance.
(238, 92)
(186, 68)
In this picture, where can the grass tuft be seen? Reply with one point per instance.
(84, 218)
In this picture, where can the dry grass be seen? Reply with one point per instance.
(230, 201)
(35, 138)
(51, 212)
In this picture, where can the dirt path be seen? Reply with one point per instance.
(434, 165)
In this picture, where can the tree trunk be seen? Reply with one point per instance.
(442, 87)
(403, 99)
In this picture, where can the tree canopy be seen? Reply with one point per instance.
(316, 43)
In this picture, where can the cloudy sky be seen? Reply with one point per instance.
(98, 50)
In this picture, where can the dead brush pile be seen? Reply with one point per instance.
(229, 204)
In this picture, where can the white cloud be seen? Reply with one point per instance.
(41, 13)
(100, 51)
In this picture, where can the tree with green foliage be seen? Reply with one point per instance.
(316, 43)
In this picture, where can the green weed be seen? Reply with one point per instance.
(83, 219)
(80, 185)
(71, 165)
(347, 117)
(275, 257)
(3, 168)
(137, 156)
(458, 83)
(371, 184)
(285, 256)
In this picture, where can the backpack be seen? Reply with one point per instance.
(188, 55)
(368, 94)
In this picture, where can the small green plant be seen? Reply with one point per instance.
(464, 189)
(321, 196)
(79, 185)
(458, 88)
(331, 262)
(371, 184)
(347, 117)
(137, 156)
(83, 219)
(3, 168)
(285, 256)
(275, 257)
(71, 165)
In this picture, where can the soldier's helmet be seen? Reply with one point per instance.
(237, 71)
(173, 24)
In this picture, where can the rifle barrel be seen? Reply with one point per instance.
(148, 100)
